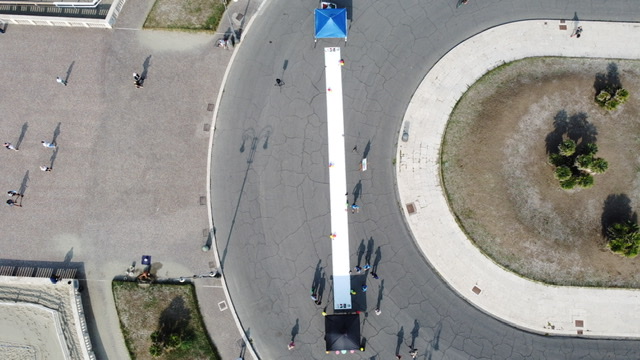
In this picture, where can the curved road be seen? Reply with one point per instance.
(270, 181)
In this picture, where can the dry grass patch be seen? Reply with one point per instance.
(503, 190)
(169, 311)
(185, 15)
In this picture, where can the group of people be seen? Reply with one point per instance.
(16, 197)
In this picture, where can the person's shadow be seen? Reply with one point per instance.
(294, 330)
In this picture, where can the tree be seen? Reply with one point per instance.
(563, 173)
(624, 238)
(567, 147)
(599, 166)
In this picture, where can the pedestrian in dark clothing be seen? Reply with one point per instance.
(137, 80)
(11, 202)
(10, 146)
(375, 276)
(61, 81)
(279, 82)
(14, 193)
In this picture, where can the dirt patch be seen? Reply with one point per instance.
(167, 309)
(502, 189)
(185, 14)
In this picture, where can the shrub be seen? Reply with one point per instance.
(568, 184)
(585, 181)
(583, 162)
(563, 173)
(622, 95)
(624, 238)
(603, 97)
(611, 104)
(155, 350)
(599, 166)
(567, 147)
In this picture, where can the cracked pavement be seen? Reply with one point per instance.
(270, 183)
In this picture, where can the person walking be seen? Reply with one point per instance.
(378, 311)
(279, 82)
(13, 193)
(358, 269)
(364, 287)
(61, 81)
(45, 168)
(48, 144)
(375, 276)
(137, 80)
(413, 353)
(291, 346)
(12, 202)
(355, 208)
(9, 146)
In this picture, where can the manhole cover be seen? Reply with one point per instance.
(411, 208)
(222, 305)
(210, 107)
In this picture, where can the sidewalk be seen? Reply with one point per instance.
(540, 308)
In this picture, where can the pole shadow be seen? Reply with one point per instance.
(248, 135)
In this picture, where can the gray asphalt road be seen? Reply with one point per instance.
(270, 181)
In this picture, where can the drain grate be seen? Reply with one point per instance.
(210, 107)
(206, 127)
(579, 323)
(476, 290)
(203, 200)
(222, 305)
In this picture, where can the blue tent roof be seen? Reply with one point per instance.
(331, 23)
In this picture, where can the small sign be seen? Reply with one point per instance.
(363, 166)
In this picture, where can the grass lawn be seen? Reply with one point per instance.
(185, 15)
(168, 314)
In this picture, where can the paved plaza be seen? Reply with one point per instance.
(129, 172)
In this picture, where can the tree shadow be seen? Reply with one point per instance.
(609, 81)
(575, 127)
(174, 320)
(616, 209)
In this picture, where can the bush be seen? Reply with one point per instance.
(567, 147)
(624, 238)
(155, 350)
(599, 166)
(568, 184)
(585, 181)
(603, 97)
(563, 173)
(622, 96)
(583, 162)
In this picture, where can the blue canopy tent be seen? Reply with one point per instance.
(331, 23)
